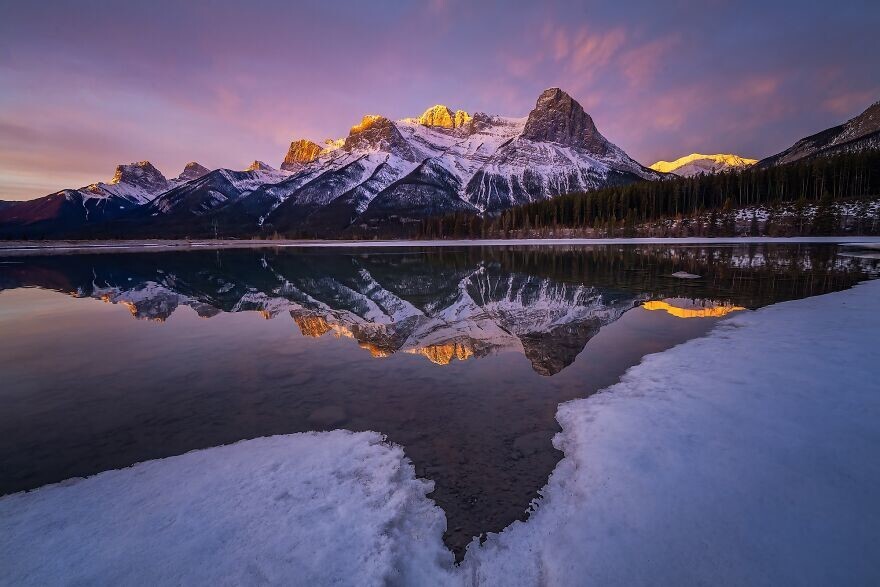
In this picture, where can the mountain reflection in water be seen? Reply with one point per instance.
(516, 331)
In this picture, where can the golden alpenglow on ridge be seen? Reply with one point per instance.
(443, 354)
(367, 122)
(442, 116)
(301, 153)
(697, 163)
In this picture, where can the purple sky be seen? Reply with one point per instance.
(85, 85)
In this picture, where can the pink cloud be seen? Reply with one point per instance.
(641, 64)
(850, 103)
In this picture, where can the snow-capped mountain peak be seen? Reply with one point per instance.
(697, 163)
(134, 182)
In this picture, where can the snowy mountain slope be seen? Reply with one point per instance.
(446, 162)
(697, 163)
(857, 134)
(132, 185)
(207, 193)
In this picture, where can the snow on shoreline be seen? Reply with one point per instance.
(748, 456)
(303, 509)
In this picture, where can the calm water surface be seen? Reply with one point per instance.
(461, 355)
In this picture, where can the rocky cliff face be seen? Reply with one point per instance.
(442, 117)
(377, 133)
(558, 118)
(142, 174)
(300, 154)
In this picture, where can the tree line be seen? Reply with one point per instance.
(797, 198)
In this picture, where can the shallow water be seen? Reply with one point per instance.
(461, 355)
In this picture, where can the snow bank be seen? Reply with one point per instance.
(304, 509)
(748, 457)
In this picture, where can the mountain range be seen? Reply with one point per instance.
(383, 172)
(384, 175)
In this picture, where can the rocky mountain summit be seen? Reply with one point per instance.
(300, 154)
(192, 171)
(441, 116)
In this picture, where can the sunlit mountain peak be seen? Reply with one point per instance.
(697, 163)
(443, 354)
(444, 117)
(367, 122)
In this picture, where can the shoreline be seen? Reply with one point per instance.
(24, 248)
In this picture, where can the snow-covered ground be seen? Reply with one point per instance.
(748, 457)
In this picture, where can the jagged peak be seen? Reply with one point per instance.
(301, 152)
(367, 122)
(259, 166)
(442, 116)
(559, 118)
(728, 160)
(139, 172)
(193, 170)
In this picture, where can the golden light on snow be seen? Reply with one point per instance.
(720, 158)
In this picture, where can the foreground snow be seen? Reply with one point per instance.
(304, 509)
(749, 456)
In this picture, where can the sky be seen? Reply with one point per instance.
(86, 84)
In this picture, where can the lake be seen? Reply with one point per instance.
(459, 354)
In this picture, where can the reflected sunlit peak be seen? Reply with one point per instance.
(680, 311)
(312, 326)
(443, 354)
